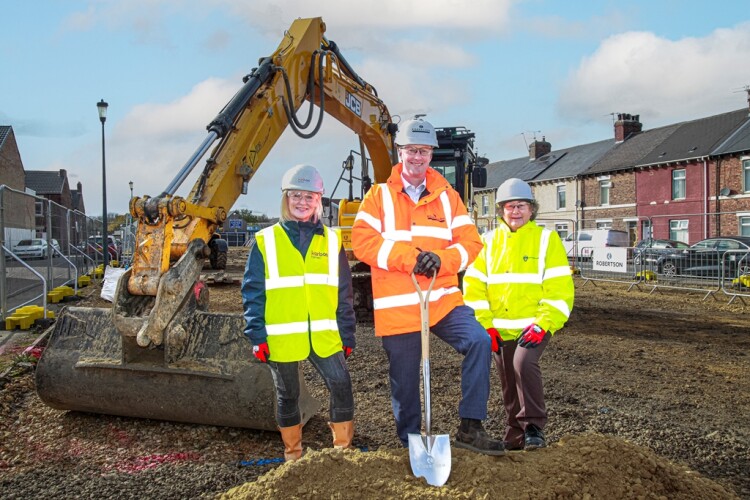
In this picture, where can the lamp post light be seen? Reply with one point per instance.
(102, 107)
(131, 189)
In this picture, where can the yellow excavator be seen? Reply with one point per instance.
(158, 352)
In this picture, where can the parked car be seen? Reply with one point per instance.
(580, 244)
(646, 252)
(35, 248)
(94, 247)
(708, 257)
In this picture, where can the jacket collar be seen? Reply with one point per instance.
(435, 182)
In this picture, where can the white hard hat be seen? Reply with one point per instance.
(514, 189)
(416, 131)
(303, 178)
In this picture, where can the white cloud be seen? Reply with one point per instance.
(660, 79)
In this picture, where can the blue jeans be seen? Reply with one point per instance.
(461, 331)
(335, 374)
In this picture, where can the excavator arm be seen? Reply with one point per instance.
(173, 231)
(158, 352)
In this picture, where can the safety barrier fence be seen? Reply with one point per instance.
(43, 246)
(709, 272)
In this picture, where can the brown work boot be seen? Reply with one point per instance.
(472, 436)
(292, 437)
(343, 433)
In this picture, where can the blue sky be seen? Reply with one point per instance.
(510, 70)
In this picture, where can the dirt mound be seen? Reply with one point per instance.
(582, 466)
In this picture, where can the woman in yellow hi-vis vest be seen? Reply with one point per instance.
(297, 297)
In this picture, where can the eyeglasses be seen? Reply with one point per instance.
(417, 151)
(516, 206)
(298, 196)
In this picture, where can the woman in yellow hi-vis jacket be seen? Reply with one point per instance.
(297, 297)
(521, 289)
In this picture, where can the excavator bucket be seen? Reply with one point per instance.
(203, 373)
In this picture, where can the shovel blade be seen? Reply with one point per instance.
(430, 457)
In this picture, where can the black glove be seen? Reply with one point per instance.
(428, 264)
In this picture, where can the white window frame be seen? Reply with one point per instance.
(562, 202)
(746, 174)
(679, 180)
(743, 222)
(678, 230)
(485, 204)
(604, 224)
(562, 229)
(605, 185)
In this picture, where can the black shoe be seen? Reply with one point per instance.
(472, 436)
(534, 438)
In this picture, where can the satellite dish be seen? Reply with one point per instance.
(725, 191)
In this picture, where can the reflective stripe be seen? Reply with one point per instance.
(410, 299)
(442, 233)
(462, 220)
(473, 272)
(543, 244)
(447, 209)
(321, 279)
(556, 272)
(497, 279)
(560, 305)
(478, 304)
(272, 259)
(285, 282)
(464, 255)
(333, 255)
(369, 220)
(384, 252)
(298, 326)
(511, 324)
(400, 235)
(389, 211)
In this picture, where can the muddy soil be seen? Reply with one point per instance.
(648, 396)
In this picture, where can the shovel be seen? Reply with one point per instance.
(430, 455)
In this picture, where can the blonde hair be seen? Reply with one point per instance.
(286, 215)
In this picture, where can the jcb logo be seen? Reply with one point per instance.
(353, 103)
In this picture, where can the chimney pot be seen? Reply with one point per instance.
(626, 126)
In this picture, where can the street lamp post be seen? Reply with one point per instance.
(102, 107)
(131, 189)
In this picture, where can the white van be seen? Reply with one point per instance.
(580, 244)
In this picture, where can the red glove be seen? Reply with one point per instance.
(495, 336)
(347, 351)
(532, 336)
(261, 352)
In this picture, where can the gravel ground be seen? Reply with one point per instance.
(661, 379)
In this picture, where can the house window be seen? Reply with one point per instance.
(562, 230)
(39, 209)
(604, 187)
(678, 230)
(485, 204)
(678, 184)
(604, 224)
(746, 175)
(745, 225)
(560, 197)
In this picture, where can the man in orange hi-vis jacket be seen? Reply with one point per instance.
(416, 222)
